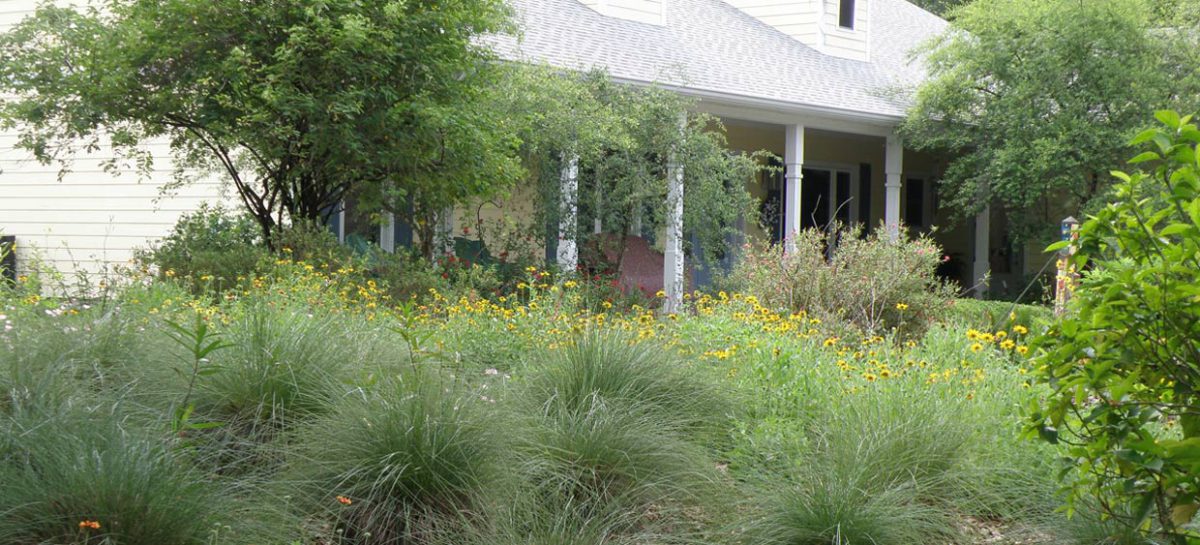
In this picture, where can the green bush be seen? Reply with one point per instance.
(403, 463)
(210, 248)
(1124, 363)
(871, 283)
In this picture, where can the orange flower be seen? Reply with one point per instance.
(344, 500)
(89, 524)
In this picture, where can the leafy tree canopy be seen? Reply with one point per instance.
(625, 139)
(943, 8)
(1035, 100)
(298, 102)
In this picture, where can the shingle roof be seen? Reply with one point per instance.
(711, 46)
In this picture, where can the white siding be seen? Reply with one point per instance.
(814, 23)
(92, 219)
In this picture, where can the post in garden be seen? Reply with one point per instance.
(1067, 277)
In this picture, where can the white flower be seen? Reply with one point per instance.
(491, 372)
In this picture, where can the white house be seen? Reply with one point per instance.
(821, 83)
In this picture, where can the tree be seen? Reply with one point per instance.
(1124, 365)
(1035, 99)
(299, 103)
(941, 8)
(624, 138)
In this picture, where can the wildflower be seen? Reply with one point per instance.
(869, 377)
(344, 500)
(830, 341)
(1020, 329)
(660, 294)
(885, 373)
(1001, 334)
(1007, 344)
(1022, 350)
(569, 284)
(901, 306)
(89, 524)
(976, 347)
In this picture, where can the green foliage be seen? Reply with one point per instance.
(299, 104)
(209, 249)
(1124, 363)
(63, 469)
(871, 284)
(1035, 99)
(625, 139)
(400, 462)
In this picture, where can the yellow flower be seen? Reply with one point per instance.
(976, 347)
(885, 373)
(1008, 344)
(1022, 350)
(1020, 329)
(901, 306)
(660, 294)
(869, 377)
(569, 284)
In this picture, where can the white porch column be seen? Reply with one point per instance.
(387, 233)
(673, 245)
(635, 222)
(893, 168)
(793, 162)
(568, 251)
(443, 235)
(982, 266)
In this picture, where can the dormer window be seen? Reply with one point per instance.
(846, 14)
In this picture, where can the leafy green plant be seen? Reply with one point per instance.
(209, 248)
(1124, 362)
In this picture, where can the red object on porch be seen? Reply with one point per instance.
(641, 267)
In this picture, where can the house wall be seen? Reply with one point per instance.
(848, 150)
(91, 219)
(815, 23)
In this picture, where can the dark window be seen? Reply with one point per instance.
(845, 200)
(846, 14)
(914, 206)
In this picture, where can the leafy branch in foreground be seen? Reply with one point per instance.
(1125, 364)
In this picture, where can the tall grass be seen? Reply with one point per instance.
(400, 464)
(62, 470)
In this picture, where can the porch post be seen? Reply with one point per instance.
(568, 251)
(981, 266)
(387, 233)
(443, 235)
(635, 222)
(793, 162)
(673, 245)
(893, 168)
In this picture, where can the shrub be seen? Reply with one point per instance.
(209, 248)
(313, 244)
(872, 283)
(1124, 364)
(399, 464)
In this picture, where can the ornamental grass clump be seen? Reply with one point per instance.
(75, 476)
(407, 462)
(612, 370)
(879, 469)
(619, 432)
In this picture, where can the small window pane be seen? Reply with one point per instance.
(846, 14)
